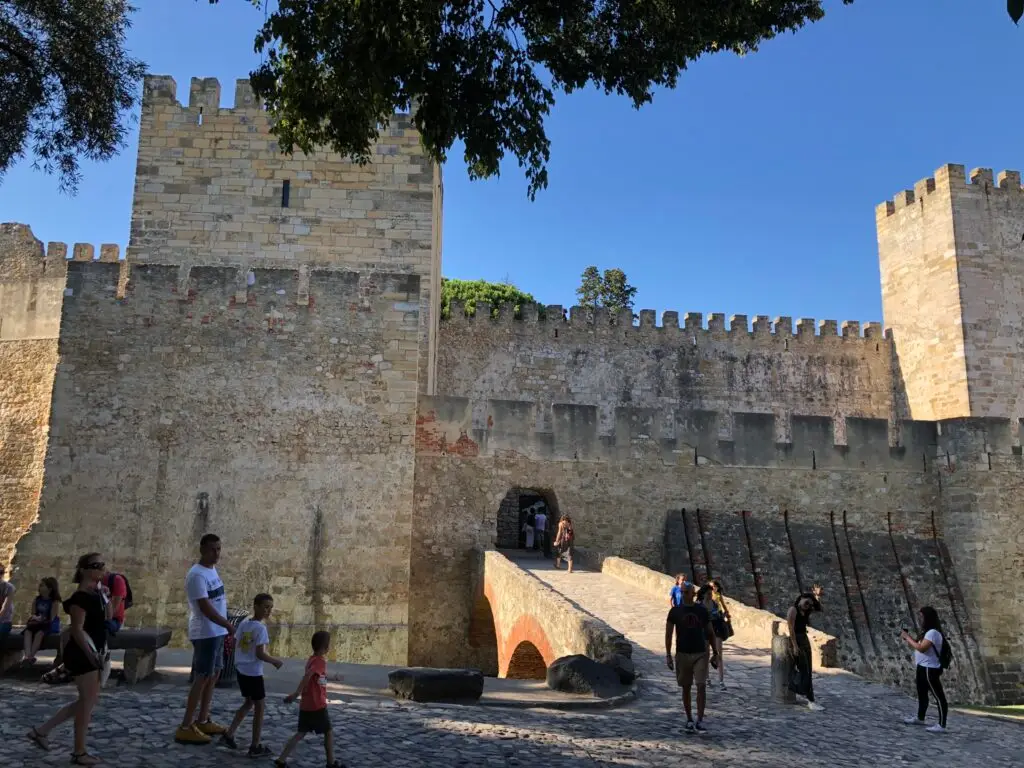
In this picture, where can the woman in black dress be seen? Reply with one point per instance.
(83, 656)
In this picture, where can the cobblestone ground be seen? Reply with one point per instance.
(861, 725)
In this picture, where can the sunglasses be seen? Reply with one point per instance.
(94, 567)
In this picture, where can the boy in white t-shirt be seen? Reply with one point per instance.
(251, 640)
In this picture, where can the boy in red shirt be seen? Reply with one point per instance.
(313, 704)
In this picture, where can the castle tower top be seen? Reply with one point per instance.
(212, 186)
(952, 265)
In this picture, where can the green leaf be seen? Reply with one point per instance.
(1016, 9)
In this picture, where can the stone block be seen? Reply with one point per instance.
(138, 665)
(443, 685)
(583, 675)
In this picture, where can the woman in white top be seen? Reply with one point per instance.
(928, 658)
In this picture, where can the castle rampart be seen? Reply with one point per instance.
(275, 406)
(262, 365)
(592, 358)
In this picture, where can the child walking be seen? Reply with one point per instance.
(251, 640)
(313, 704)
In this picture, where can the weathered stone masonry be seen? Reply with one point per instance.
(251, 369)
(267, 364)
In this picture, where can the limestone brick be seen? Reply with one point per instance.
(31, 291)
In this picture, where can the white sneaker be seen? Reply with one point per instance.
(936, 729)
(721, 687)
(815, 706)
(912, 720)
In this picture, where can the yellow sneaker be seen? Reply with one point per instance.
(211, 728)
(189, 734)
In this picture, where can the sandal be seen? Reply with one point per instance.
(84, 758)
(39, 740)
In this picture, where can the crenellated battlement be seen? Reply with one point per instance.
(949, 179)
(599, 432)
(204, 94)
(600, 320)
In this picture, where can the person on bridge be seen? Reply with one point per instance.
(691, 625)
(675, 595)
(800, 646)
(564, 541)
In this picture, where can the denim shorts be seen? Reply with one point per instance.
(208, 656)
(5, 630)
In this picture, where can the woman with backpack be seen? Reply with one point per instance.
(931, 656)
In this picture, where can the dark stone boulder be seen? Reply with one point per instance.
(443, 685)
(581, 674)
(622, 665)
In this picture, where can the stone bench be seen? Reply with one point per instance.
(139, 646)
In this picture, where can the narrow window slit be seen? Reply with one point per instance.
(286, 190)
(199, 117)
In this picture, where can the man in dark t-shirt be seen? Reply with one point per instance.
(691, 625)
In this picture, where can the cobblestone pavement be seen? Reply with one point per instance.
(861, 725)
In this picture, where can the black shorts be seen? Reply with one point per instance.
(251, 687)
(76, 661)
(314, 721)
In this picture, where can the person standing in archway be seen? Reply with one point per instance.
(540, 526)
(564, 541)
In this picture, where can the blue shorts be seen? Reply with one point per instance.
(5, 630)
(208, 656)
(113, 626)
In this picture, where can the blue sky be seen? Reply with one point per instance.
(748, 189)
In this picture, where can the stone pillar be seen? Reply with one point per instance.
(782, 666)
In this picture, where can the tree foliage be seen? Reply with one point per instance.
(471, 291)
(485, 72)
(67, 83)
(591, 288)
(610, 290)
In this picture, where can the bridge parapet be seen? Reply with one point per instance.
(531, 619)
(753, 627)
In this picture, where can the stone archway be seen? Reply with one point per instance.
(526, 663)
(483, 638)
(514, 511)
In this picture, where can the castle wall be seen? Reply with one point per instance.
(589, 359)
(278, 415)
(768, 519)
(31, 290)
(982, 487)
(210, 189)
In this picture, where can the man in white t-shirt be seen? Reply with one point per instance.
(208, 627)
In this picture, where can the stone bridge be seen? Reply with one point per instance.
(520, 624)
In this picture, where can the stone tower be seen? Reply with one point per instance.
(250, 370)
(952, 263)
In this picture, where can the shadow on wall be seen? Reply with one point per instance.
(515, 510)
(877, 569)
(483, 638)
